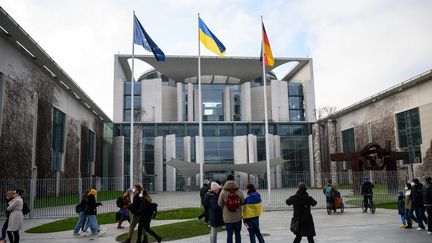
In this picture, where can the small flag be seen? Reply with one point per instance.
(142, 38)
(268, 55)
(209, 40)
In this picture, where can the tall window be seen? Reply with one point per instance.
(58, 125)
(295, 95)
(409, 134)
(91, 153)
(127, 101)
(348, 144)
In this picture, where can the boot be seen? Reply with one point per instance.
(159, 239)
(145, 240)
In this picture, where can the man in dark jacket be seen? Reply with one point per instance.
(427, 201)
(302, 203)
(203, 191)
(417, 203)
(133, 209)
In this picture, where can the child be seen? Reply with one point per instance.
(123, 214)
(401, 209)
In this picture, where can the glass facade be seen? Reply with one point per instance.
(58, 126)
(409, 134)
(296, 108)
(127, 101)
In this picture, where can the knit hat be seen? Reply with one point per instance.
(93, 192)
(250, 187)
(230, 178)
(214, 186)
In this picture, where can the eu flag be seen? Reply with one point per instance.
(142, 38)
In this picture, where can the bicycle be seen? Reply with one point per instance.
(370, 204)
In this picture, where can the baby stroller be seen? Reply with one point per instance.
(335, 202)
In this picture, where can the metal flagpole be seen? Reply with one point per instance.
(132, 106)
(265, 114)
(201, 146)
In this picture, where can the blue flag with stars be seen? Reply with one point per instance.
(142, 38)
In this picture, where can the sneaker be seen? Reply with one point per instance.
(420, 229)
(76, 234)
(408, 227)
(197, 219)
(101, 233)
(402, 226)
(429, 232)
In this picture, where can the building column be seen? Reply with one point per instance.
(170, 153)
(118, 163)
(180, 102)
(245, 96)
(187, 156)
(198, 150)
(227, 104)
(252, 157)
(190, 102)
(278, 154)
(271, 154)
(158, 163)
(316, 169)
(240, 157)
(332, 143)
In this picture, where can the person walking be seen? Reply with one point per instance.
(401, 209)
(417, 203)
(230, 200)
(408, 207)
(91, 212)
(214, 211)
(302, 204)
(8, 198)
(147, 211)
(123, 213)
(427, 201)
(203, 191)
(133, 209)
(16, 217)
(367, 192)
(82, 215)
(252, 209)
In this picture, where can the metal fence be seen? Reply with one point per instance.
(56, 198)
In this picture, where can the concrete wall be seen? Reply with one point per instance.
(118, 162)
(305, 76)
(119, 78)
(245, 97)
(257, 103)
(169, 103)
(170, 154)
(241, 157)
(151, 102)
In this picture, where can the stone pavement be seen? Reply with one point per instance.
(350, 226)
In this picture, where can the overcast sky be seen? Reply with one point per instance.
(359, 48)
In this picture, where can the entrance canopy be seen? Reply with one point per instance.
(189, 169)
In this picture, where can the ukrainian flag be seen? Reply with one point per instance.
(209, 40)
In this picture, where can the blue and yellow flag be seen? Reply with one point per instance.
(210, 40)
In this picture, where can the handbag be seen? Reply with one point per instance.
(294, 227)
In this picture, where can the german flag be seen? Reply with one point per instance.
(268, 55)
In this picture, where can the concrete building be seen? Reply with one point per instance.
(166, 118)
(401, 114)
(49, 128)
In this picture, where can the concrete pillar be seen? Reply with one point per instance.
(180, 102)
(187, 155)
(118, 163)
(227, 104)
(271, 154)
(278, 154)
(190, 102)
(245, 96)
(283, 101)
(170, 154)
(332, 143)
(158, 166)
(196, 105)
(274, 100)
(198, 150)
(316, 169)
(252, 157)
(33, 171)
(311, 161)
(241, 157)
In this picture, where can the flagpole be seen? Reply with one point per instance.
(201, 146)
(265, 114)
(132, 105)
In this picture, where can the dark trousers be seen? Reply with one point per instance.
(299, 238)
(254, 230)
(429, 218)
(233, 228)
(5, 225)
(204, 214)
(366, 201)
(144, 224)
(421, 217)
(13, 236)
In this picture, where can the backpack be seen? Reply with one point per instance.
(233, 202)
(119, 202)
(25, 209)
(78, 208)
(329, 191)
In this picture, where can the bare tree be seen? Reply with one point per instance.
(325, 111)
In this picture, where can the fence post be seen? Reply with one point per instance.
(32, 194)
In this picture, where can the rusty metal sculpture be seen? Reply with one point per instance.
(373, 157)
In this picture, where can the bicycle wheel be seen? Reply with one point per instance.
(363, 207)
(372, 207)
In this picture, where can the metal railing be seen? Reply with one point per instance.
(56, 198)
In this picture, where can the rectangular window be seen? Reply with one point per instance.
(409, 134)
(296, 109)
(348, 144)
(91, 152)
(127, 101)
(58, 126)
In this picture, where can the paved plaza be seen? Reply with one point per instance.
(350, 226)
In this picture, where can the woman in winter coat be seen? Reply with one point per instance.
(146, 212)
(214, 211)
(302, 203)
(252, 209)
(16, 218)
(8, 198)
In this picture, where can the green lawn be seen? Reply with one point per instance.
(109, 218)
(73, 199)
(380, 200)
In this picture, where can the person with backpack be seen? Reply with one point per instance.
(214, 211)
(203, 191)
(133, 209)
(123, 213)
(82, 215)
(252, 209)
(230, 200)
(16, 217)
(90, 209)
(367, 192)
(401, 209)
(329, 191)
(146, 212)
(8, 198)
(427, 201)
(302, 204)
